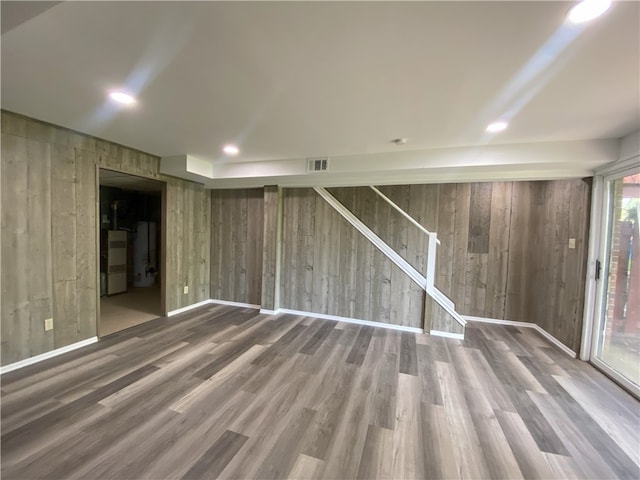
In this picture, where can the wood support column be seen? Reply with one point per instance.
(271, 250)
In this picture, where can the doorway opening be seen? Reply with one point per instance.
(131, 238)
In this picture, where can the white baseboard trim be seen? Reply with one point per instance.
(235, 304)
(370, 323)
(555, 341)
(44, 356)
(497, 321)
(209, 301)
(187, 308)
(536, 327)
(438, 333)
(269, 312)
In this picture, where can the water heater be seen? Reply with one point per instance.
(144, 255)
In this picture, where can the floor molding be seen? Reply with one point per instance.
(44, 356)
(356, 321)
(536, 327)
(188, 307)
(438, 333)
(210, 301)
(555, 341)
(235, 304)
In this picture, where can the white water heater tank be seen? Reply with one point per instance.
(144, 255)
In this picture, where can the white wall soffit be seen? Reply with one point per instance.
(187, 167)
(628, 157)
(536, 161)
(630, 146)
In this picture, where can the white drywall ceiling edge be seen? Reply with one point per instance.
(538, 161)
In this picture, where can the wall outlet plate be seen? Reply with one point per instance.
(572, 243)
(48, 324)
(186, 289)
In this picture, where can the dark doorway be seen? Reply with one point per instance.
(131, 234)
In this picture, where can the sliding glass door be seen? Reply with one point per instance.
(616, 340)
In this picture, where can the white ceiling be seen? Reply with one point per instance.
(290, 80)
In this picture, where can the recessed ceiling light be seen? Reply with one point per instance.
(399, 141)
(231, 149)
(122, 97)
(496, 127)
(588, 10)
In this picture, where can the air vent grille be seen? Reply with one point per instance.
(317, 164)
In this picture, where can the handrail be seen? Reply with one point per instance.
(380, 244)
(401, 211)
(424, 282)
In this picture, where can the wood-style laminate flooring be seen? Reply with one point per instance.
(224, 392)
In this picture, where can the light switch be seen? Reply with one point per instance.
(572, 243)
(186, 289)
(48, 324)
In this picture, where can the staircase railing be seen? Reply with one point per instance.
(402, 212)
(424, 282)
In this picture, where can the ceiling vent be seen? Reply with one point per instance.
(320, 164)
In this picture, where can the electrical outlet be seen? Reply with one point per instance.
(572, 243)
(186, 289)
(48, 324)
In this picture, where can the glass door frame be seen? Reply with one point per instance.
(599, 246)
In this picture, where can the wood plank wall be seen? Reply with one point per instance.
(551, 274)
(49, 252)
(504, 246)
(188, 242)
(329, 267)
(504, 253)
(237, 219)
(271, 239)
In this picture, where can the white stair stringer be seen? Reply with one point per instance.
(423, 282)
(446, 303)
